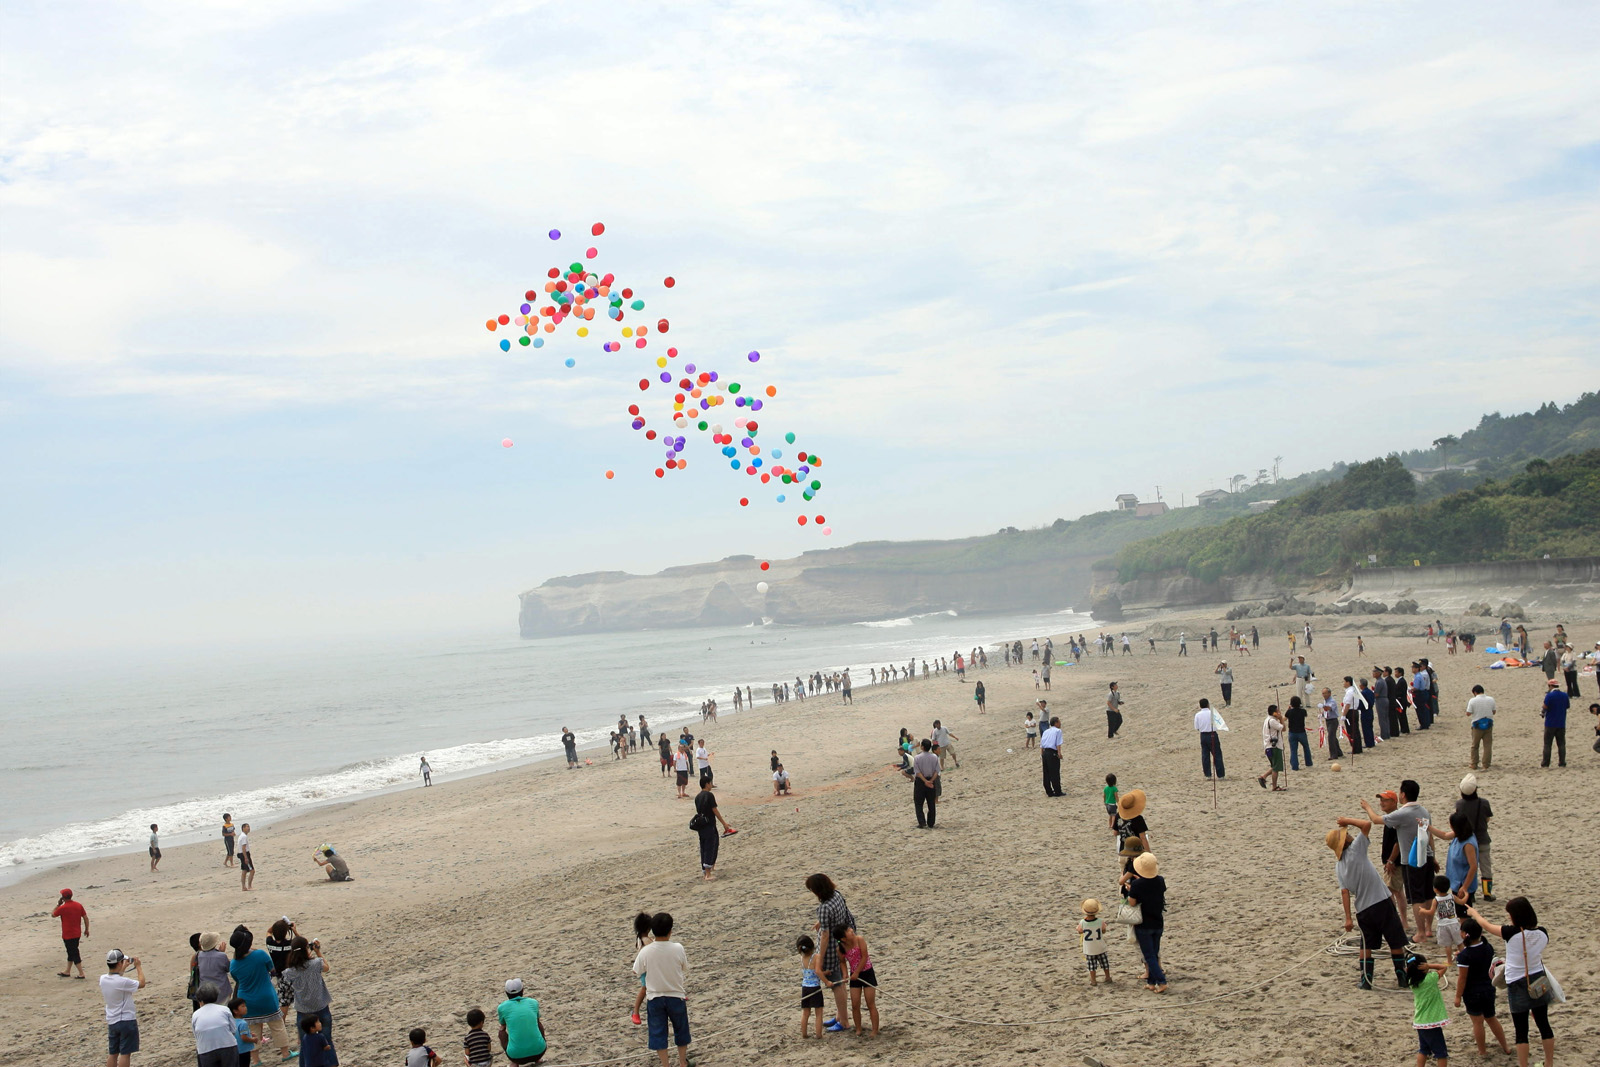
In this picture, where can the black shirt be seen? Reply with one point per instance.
(1297, 719)
(704, 801)
(1476, 959)
(1151, 893)
(1134, 827)
(1391, 842)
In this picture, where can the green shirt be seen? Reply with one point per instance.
(1110, 793)
(520, 1017)
(1428, 1004)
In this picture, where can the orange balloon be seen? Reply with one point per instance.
(549, 327)
(611, 474)
(491, 324)
(772, 390)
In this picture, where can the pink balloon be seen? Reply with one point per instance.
(506, 443)
(827, 531)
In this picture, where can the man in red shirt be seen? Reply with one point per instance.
(74, 925)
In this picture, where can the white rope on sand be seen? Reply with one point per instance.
(715, 1033)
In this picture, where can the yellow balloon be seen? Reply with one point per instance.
(583, 331)
(661, 361)
(627, 331)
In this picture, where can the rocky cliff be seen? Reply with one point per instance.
(863, 582)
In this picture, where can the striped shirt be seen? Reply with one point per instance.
(830, 913)
(478, 1048)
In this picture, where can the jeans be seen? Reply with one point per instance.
(1485, 739)
(1298, 739)
(924, 795)
(1051, 758)
(1211, 749)
(326, 1015)
(1558, 734)
(1149, 938)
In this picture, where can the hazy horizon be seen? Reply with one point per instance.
(1003, 262)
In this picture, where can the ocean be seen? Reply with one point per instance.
(98, 750)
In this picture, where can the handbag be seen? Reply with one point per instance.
(1129, 914)
(1538, 984)
(698, 822)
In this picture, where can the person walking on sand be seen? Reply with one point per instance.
(155, 834)
(1050, 756)
(1206, 723)
(1224, 675)
(1554, 713)
(1113, 710)
(707, 816)
(942, 746)
(925, 786)
(247, 860)
(1480, 714)
(74, 927)
(1272, 731)
(122, 1018)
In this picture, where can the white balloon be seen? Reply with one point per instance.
(761, 587)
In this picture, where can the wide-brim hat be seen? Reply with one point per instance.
(1091, 907)
(1145, 866)
(1132, 846)
(1131, 804)
(209, 941)
(1338, 839)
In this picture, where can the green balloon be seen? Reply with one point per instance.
(789, 437)
(702, 425)
(524, 339)
(816, 485)
(733, 387)
(787, 479)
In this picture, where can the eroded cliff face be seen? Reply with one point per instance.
(838, 586)
(1175, 589)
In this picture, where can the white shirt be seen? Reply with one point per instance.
(664, 966)
(780, 776)
(1352, 699)
(213, 1028)
(1530, 943)
(702, 757)
(243, 844)
(1205, 719)
(117, 989)
(680, 762)
(1051, 738)
(1480, 707)
(1271, 732)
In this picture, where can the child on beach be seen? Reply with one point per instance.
(1092, 939)
(810, 983)
(155, 846)
(243, 1035)
(420, 1055)
(858, 969)
(642, 937)
(1447, 928)
(1036, 679)
(664, 966)
(476, 1044)
(1475, 987)
(1428, 1014)
(1030, 730)
(315, 1051)
(1109, 795)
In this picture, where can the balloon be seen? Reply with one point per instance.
(780, 498)
(524, 340)
(790, 438)
(802, 520)
(772, 390)
(644, 383)
(820, 520)
(660, 473)
(754, 357)
(505, 345)
(669, 281)
(492, 324)
(571, 362)
(762, 587)
(555, 235)
(503, 319)
(506, 443)
(827, 531)
(591, 253)
(765, 564)
(610, 475)
(744, 502)
(597, 229)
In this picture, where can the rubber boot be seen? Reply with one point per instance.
(1366, 974)
(1488, 889)
(1400, 971)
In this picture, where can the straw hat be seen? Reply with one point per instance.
(1132, 846)
(1130, 805)
(1338, 839)
(1145, 866)
(208, 942)
(1091, 907)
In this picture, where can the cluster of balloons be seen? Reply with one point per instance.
(580, 295)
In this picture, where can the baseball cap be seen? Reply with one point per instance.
(67, 893)
(1388, 794)
(114, 957)
(513, 985)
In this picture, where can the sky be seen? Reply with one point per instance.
(1003, 262)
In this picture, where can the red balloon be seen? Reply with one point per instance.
(660, 473)
(598, 228)
(752, 426)
(633, 409)
(672, 353)
(644, 383)
(591, 253)
(661, 326)
(765, 564)
(504, 319)
(555, 272)
(627, 294)
(672, 464)
(801, 519)
(649, 435)
(611, 474)
(744, 502)
(801, 457)
(530, 295)
(669, 281)
(820, 520)
(765, 478)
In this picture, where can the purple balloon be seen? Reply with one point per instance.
(738, 401)
(755, 405)
(713, 376)
(526, 308)
(688, 368)
(666, 376)
(746, 442)
(555, 235)
(638, 423)
(755, 357)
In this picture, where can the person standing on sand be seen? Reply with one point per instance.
(844, 693)
(832, 912)
(1480, 714)
(1148, 889)
(1298, 737)
(122, 1018)
(708, 816)
(1113, 711)
(227, 839)
(1044, 675)
(680, 766)
(978, 695)
(1050, 755)
(1374, 911)
(1330, 723)
(569, 741)
(665, 744)
(1554, 713)
(1206, 723)
(1411, 820)
(1477, 810)
(925, 785)
(663, 967)
(1183, 644)
(1350, 705)
(247, 860)
(426, 772)
(702, 757)
(1272, 731)
(942, 746)
(74, 927)
(1224, 675)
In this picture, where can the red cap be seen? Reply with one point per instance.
(1388, 794)
(66, 892)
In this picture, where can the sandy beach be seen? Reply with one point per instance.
(536, 873)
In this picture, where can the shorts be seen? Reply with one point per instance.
(865, 980)
(1111, 809)
(72, 950)
(811, 996)
(1275, 758)
(122, 1038)
(1419, 884)
(1380, 922)
(229, 842)
(523, 1061)
(1430, 1042)
(1479, 1001)
(1098, 962)
(683, 778)
(155, 853)
(1395, 880)
(246, 862)
(664, 1010)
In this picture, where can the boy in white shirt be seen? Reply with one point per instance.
(664, 966)
(1092, 938)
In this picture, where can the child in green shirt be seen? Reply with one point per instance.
(1428, 1014)
(1109, 793)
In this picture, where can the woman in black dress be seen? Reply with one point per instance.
(707, 816)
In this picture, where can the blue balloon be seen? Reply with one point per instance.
(734, 464)
(505, 345)
(756, 462)
(777, 453)
(780, 498)
(538, 342)
(571, 362)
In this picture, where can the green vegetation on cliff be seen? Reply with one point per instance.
(1550, 508)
